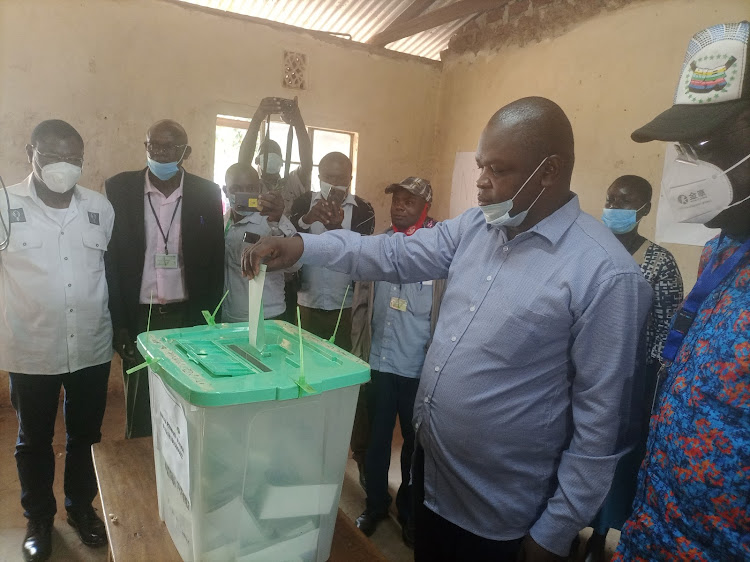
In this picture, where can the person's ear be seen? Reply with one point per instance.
(30, 153)
(646, 210)
(551, 170)
(188, 151)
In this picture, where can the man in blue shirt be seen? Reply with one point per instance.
(525, 402)
(391, 328)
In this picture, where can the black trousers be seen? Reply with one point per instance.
(439, 540)
(389, 395)
(137, 401)
(35, 399)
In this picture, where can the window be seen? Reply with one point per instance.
(231, 130)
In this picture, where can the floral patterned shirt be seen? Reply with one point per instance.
(693, 500)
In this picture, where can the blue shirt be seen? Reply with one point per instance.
(525, 403)
(399, 337)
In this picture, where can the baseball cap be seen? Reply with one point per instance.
(714, 86)
(416, 186)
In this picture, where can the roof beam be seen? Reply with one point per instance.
(452, 12)
(416, 8)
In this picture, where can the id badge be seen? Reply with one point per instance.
(165, 261)
(398, 304)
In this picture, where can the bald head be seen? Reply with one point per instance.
(539, 126)
(167, 128)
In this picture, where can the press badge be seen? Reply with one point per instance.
(166, 261)
(398, 304)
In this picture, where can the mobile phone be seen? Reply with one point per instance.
(286, 104)
(336, 196)
(246, 201)
(251, 238)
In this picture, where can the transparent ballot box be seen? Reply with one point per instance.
(249, 450)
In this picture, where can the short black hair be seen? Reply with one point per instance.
(54, 128)
(638, 185)
(273, 147)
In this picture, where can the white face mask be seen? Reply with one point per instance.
(498, 214)
(275, 162)
(325, 188)
(61, 177)
(697, 191)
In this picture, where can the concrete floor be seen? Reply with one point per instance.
(67, 546)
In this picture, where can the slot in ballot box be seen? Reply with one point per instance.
(250, 459)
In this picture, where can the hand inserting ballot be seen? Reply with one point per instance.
(277, 253)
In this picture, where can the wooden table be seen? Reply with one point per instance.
(127, 486)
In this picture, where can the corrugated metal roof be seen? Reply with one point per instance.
(359, 19)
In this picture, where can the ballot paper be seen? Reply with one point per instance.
(256, 327)
(298, 501)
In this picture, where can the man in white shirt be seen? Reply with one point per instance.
(269, 221)
(55, 330)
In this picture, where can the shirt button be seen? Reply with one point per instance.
(24, 243)
(62, 233)
(69, 285)
(505, 248)
(472, 308)
(437, 369)
(72, 335)
(489, 278)
(383, 358)
(453, 338)
(389, 323)
(66, 259)
(426, 399)
(71, 310)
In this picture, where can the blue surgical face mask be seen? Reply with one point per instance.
(275, 162)
(164, 170)
(498, 214)
(621, 221)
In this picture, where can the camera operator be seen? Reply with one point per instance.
(298, 181)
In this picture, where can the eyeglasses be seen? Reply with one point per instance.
(50, 158)
(158, 149)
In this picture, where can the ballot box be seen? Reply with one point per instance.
(249, 455)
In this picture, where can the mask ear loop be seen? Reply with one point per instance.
(529, 179)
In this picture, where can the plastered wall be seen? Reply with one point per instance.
(113, 67)
(610, 74)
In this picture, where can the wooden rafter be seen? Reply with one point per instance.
(412, 11)
(452, 12)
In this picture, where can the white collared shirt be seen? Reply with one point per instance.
(235, 307)
(166, 285)
(54, 314)
(323, 288)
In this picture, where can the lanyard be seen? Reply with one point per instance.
(711, 278)
(156, 218)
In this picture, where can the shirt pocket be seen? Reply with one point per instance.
(419, 299)
(94, 246)
(22, 240)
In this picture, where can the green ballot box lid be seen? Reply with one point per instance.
(217, 366)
